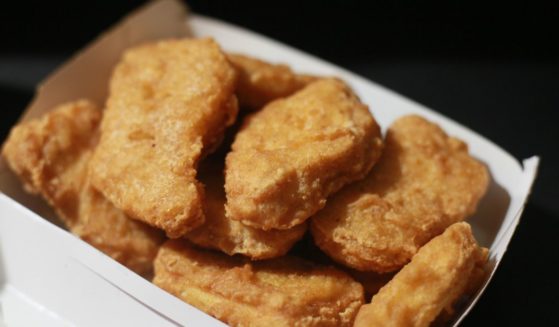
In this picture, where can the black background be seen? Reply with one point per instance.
(492, 67)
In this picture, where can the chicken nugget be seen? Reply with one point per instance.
(169, 105)
(372, 282)
(286, 291)
(434, 279)
(261, 82)
(128, 241)
(424, 182)
(290, 156)
(51, 156)
(231, 236)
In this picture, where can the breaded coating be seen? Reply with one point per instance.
(290, 156)
(435, 278)
(169, 105)
(424, 182)
(261, 82)
(372, 282)
(130, 242)
(231, 236)
(280, 292)
(51, 156)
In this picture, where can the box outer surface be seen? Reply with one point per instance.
(49, 277)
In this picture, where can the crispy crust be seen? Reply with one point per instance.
(281, 292)
(430, 284)
(231, 236)
(290, 156)
(51, 155)
(130, 242)
(169, 104)
(424, 182)
(261, 82)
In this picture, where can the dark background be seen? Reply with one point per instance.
(492, 67)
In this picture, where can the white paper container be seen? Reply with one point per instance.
(49, 277)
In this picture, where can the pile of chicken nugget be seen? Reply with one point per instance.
(258, 195)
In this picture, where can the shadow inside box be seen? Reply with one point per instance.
(490, 214)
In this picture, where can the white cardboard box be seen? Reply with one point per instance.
(49, 277)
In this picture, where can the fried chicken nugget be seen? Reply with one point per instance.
(285, 291)
(231, 236)
(169, 104)
(290, 156)
(130, 242)
(435, 278)
(261, 82)
(51, 156)
(424, 182)
(372, 282)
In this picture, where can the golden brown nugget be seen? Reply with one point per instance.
(372, 282)
(50, 155)
(169, 104)
(424, 182)
(290, 156)
(230, 236)
(261, 82)
(130, 242)
(435, 278)
(281, 292)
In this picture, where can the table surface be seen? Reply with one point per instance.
(482, 70)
